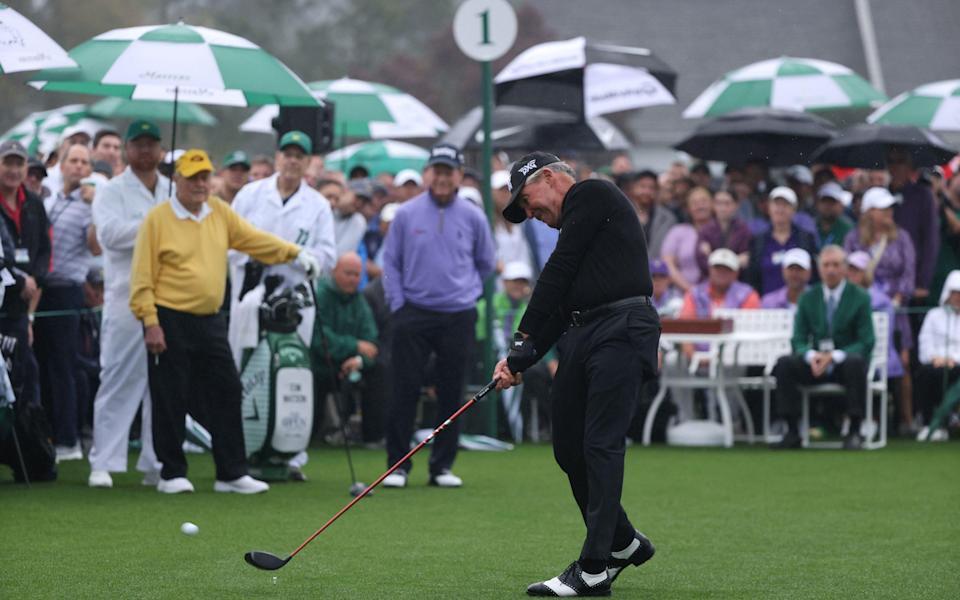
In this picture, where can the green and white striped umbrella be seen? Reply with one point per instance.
(364, 109)
(382, 156)
(178, 62)
(801, 84)
(25, 47)
(932, 106)
(40, 132)
(154, 110)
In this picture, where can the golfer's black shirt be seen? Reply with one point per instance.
(600, 257)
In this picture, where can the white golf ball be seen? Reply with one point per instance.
(189, 528)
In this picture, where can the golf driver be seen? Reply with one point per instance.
(272, 562)
(356, 487)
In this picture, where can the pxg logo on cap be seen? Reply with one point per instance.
(519, 173)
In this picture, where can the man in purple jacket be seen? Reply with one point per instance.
(917, 213)
(436, 256)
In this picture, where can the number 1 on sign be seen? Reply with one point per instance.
(485, 20)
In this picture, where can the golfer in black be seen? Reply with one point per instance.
(593, 296)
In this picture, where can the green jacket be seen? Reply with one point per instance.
(852, 323)
(345, 318)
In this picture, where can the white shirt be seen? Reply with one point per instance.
(180, 211)
(306, 220)
(940, 335)
(119, 208)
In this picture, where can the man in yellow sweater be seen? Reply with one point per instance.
(176, 288)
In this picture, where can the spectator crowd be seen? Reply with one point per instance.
(124, 276)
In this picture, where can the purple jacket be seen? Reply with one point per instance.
(918, 216)
(737, 238)
(735, 297)
(776, 299)
(437, 257)
(895, 270)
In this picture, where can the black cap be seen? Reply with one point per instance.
(519, 172)
(445, 154)
(36, 163)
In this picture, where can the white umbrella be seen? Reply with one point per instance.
(25, 47)
(40, 132)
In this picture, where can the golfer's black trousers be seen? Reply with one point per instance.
(417, 332)
(198, 364)
(602, 368)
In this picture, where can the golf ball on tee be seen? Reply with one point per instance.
(189, 528)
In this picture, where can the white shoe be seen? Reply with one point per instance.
(922, 434)
(73, 452)
(397, 479)
(939, 435)
(151, 478)
(446, 479)
(244, 485)
(100, 479)
(177, 485)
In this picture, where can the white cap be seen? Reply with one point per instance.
(877, 197)
(859, 260)
(800, 173)
(724, 257)
(517, 270)
(72, 131)
(832, 189)
(389, 211)
(173, 155)
(407, 175)
(500, 179)
(785, 193)
(798, 257)
(472, 194)
(952, 284)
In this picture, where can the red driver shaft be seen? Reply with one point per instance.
(483, 392)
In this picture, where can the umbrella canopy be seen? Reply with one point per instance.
(382, 156)
(25, 47)
(932, 106)
(363, 109)
(155, 110)
(866, 147)
(40, 132)
(522, 128)
(178, 62)
(774, 137)
(802, 84)
(585, 78)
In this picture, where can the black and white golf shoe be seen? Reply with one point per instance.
(572, 582)
(643, 552)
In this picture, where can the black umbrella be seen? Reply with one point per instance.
(866, 146)
(585, 78)
(772, 136)
(522, 128)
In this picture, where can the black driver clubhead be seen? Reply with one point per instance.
(265, 560)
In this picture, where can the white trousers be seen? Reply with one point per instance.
(124, 387)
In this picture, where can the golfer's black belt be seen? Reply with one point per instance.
(579, 318)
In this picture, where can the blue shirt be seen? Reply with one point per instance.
(69, 219)
(436, 257)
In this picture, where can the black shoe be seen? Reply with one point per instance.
(853, 441)
(791, 441)
(642, 554)
(570, 583)
(295, 474)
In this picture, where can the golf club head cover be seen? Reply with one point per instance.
(523, 354)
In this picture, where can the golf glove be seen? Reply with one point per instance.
(522, 354)
(309, 264)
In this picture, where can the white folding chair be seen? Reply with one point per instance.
(757, 354)
(876, 384)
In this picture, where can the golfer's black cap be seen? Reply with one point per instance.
(519, 172)
(445, 154)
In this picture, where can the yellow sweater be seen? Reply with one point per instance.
(182, 264)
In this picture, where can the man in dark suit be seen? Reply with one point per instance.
(832, 342)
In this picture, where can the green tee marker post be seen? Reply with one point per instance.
(485, 30)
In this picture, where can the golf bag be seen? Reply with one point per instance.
(277, 386)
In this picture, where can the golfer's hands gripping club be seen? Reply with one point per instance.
(504, 377)
(309, 264)
(522, 356)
